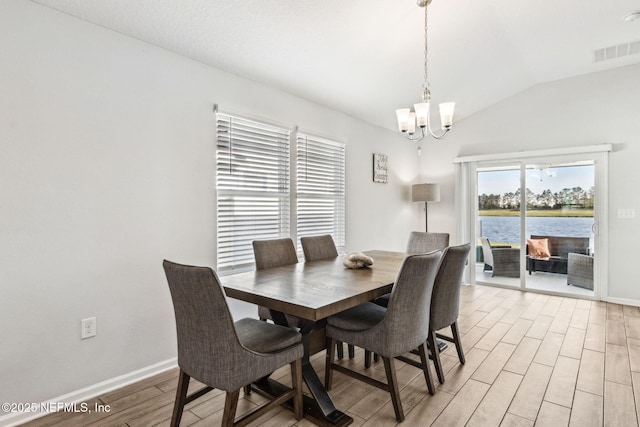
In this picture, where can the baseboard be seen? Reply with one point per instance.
(623, 301)
(92, 391)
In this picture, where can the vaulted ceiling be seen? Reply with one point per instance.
(365, 58)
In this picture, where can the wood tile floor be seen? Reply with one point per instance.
(532, 359)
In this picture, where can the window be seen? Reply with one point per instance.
(320, 192)
(254, 188)
(555, 194)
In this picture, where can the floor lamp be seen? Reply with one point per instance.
(425, 193)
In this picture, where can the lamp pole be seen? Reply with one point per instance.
(426, 217)
(425, 193)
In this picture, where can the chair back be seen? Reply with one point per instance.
(208, 346)
(274, 253)
(406, 323)
(486, 251)
(421, 243)
(318, 247)
(445, 298)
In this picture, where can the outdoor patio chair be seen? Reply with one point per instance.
(500, 260)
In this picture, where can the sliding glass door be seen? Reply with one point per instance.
(535, 222)
(498, 224)
(559, 226)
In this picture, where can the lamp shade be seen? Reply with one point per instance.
(425, 193)
(412, 123)
(446, 114)
(403, 119)
(422, 113)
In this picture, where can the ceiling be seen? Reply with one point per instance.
(365, 58)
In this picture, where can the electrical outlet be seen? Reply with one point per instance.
(88, 328)
(626, 213)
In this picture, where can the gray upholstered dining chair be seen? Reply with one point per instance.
(445, 302)
(318, 248)
(222, 354)
(384, 330)
(271, 254)
(420, 242)
(274, 253)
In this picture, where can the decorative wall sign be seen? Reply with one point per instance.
(380, 172)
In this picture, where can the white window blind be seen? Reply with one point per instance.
(320, 179)
(253, 187)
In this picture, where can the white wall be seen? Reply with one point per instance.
(106, 168)
(597, 108)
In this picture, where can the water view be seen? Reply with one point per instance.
(559, 201)
(506, 229)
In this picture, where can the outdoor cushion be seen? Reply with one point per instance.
(539, 248)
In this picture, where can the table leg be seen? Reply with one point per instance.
(324, 405)
(321, 408)
(441, 344)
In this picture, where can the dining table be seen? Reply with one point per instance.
(313, 291)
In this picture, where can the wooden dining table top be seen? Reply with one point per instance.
(315, 290)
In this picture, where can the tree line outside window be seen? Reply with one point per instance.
(575, 197)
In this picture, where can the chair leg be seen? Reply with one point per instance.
(340, 350)
(230, 406)
(181, 398)
(367, 358)
(247, 389)
(457, 341)
(352, 351)
(331, 348)
(296, 381)
(435, 353)
(425, 368)
(390, 369)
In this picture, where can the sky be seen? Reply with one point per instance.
(538, 180)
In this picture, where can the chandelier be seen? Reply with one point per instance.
(409, 121)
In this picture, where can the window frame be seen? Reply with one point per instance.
(321, 196)
(252, 165)
(290, 195)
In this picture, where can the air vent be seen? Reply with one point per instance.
(617, 51)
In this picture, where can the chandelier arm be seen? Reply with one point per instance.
(417, 138)
(441, 136)
(432, 133)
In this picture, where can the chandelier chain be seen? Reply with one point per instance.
(425, 85)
